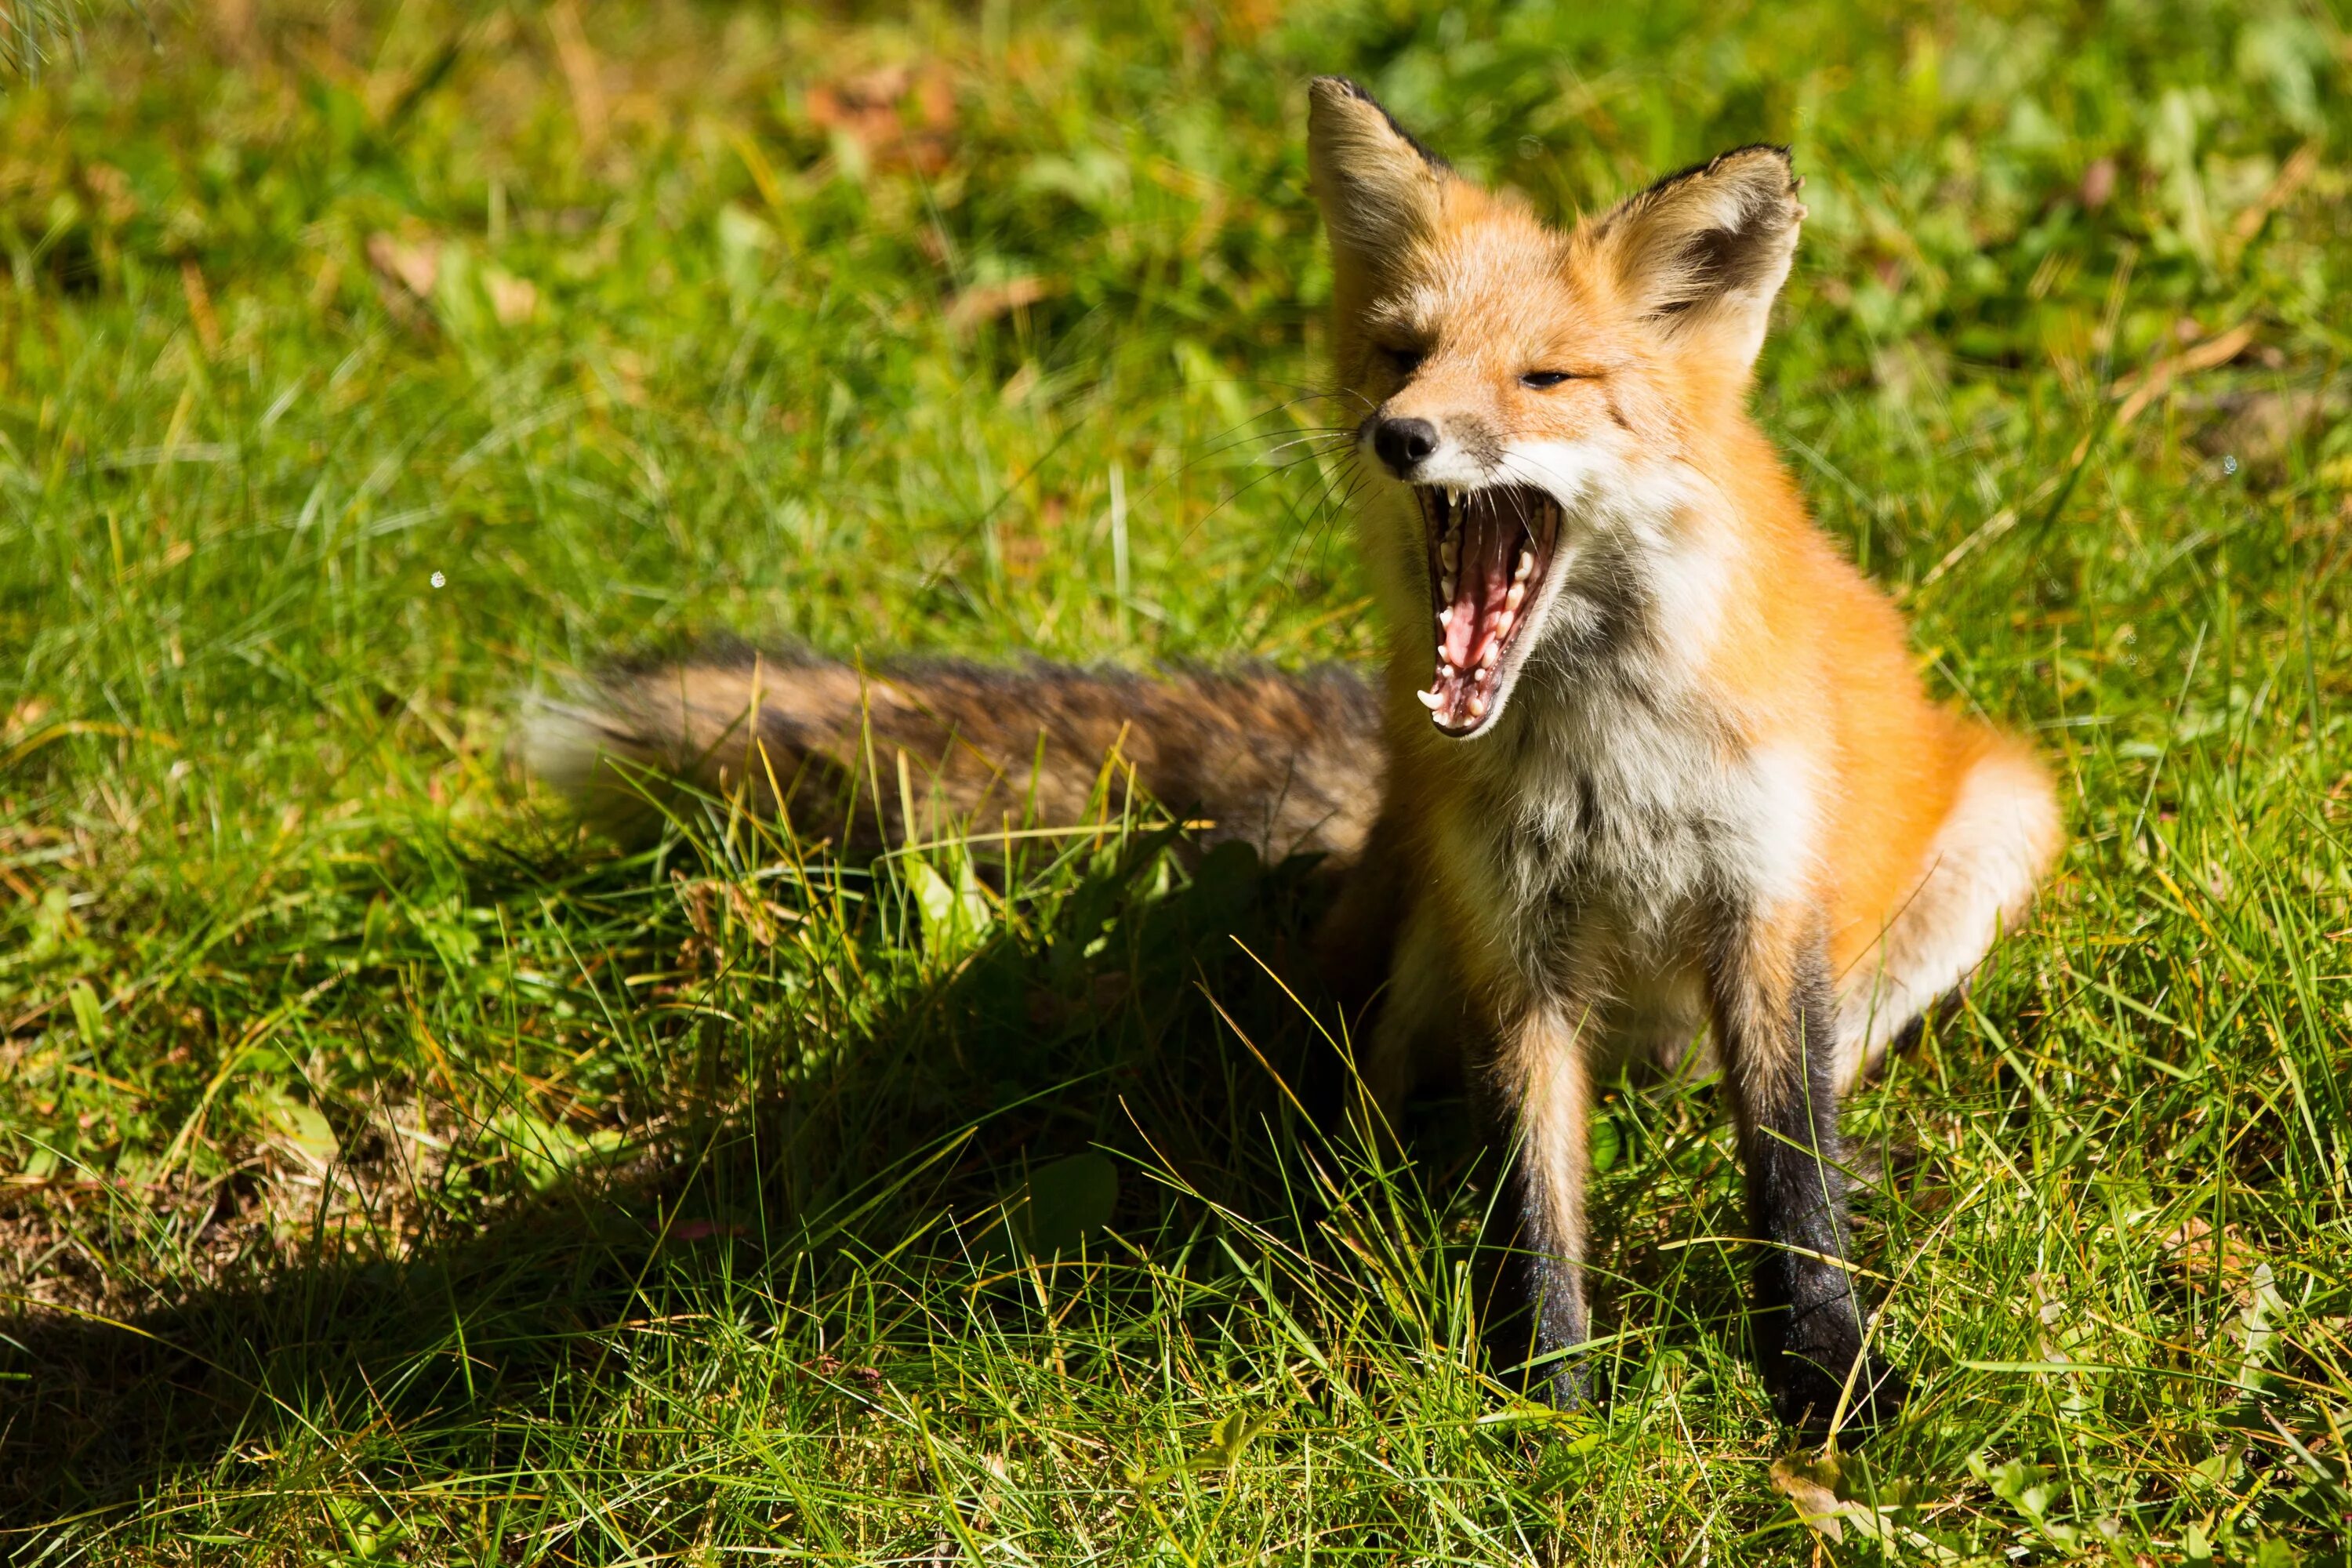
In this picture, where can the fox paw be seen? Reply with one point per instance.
(1808, 1386)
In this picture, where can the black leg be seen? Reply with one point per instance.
(1776, 1015)
(1555, 1284)
(1542, 1100)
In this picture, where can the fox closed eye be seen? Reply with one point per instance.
(1542, 379)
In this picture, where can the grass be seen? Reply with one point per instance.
(389, 1174)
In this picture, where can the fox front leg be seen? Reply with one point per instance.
(1544, 1086)
(1776, 1022)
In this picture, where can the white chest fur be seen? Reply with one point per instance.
(1597, 833)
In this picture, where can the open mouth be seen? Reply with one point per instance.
(1488, 551)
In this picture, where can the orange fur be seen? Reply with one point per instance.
(1673, 773)
(1792, 652)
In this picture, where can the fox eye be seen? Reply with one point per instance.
(1540, 379)
(1406, 361)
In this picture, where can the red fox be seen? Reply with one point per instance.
(1650, 764)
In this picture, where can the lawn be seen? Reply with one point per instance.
(392, 1172)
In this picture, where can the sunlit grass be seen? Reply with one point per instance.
(392, 1173)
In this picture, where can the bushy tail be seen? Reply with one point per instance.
(1288, 763)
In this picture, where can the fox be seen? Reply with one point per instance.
(1648, 777)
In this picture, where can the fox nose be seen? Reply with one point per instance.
(1402, 443)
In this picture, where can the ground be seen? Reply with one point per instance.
(389, 1172)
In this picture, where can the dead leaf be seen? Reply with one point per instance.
(1817, 1505)
(901, 116)
(416, 267)
(761, 917)
(583, 73)
(2137, 392)
(2098, 182)
(986, 302)
(2260, 427)
(2301, 164)
(24, 718)
(1811, 1485)
(513, 299)
(2198, 1262)
(200, 305)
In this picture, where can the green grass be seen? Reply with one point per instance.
(388, 1173)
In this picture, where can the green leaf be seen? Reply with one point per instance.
(1065, 1201)
(955, 914)
(87, 1014)
(302, 1126)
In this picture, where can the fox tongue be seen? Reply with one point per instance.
(1480, 586)
(1475, 618)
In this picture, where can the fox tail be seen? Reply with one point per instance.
(1288, 763)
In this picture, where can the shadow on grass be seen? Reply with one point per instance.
(844, 1212)
(895, 1155)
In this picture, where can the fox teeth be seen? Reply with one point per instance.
(1489, 659)
(1525, 567)
(1516, 597)
(1445, 617)
(1449, 555)
(1445, 670)
(1477, 708)
(1447, 586)
(1431, 700)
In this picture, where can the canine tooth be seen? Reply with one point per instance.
(1452, 495)
(1431, 700)
(1525, 567)
(1516, 597)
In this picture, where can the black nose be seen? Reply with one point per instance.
(1403, 443)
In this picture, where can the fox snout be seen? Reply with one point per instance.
(1402, 443)
(1456, 449)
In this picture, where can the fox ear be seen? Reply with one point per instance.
(1702, 253)
(1377, 187)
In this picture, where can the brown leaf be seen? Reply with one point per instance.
(2190, 1252)
(1809, 1485)
(415, 266)
(2260, 426)
(2300, 166)
(901, 116)
(513, 299)
(986, 302)
(2137, 392)
(24, 718)
(2098, 182)
(200, 305)
(583, 73)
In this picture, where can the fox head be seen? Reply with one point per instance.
(1522, 390)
